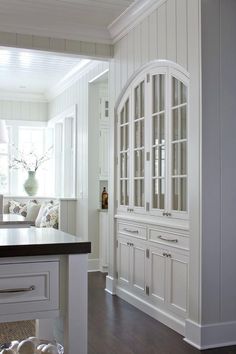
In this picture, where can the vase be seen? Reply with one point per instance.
(31, 184)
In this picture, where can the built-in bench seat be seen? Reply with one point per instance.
(66, 208)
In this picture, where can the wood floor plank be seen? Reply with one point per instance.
(116, 327)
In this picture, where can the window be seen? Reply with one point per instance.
(26, 139)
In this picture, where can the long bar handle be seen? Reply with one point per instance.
(17, 290)
(131, 231)
(175, 240)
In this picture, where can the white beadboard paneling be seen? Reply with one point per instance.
(78, 94)
(162, 33)
(144, 41)
(173, 34)
(130, 59)
(17, 110)
(153, 36)
(182, 33)
(137, 47)
(171, 30)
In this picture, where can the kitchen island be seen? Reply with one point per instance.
(43, 276)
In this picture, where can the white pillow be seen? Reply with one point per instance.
(40, 214)
(32, 211)
(50, 217)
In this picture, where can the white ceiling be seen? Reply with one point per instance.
(72, 19)
(25, 71)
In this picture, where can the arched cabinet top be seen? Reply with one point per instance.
(175, 69)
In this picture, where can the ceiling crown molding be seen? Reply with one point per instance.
(134, 14)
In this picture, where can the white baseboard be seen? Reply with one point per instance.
(211, 335)
(164, 317)
(110, 285)
(93, 265)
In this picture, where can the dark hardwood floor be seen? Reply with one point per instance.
(115, 327)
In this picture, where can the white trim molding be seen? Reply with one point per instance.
(110, 285)
(134, 14)
(22, 96)
(209, 336)
(169, 320)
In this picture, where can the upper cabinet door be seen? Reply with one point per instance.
(153, 143)
(123, 143)
(158, 141)
(178, 139)
(138, 145)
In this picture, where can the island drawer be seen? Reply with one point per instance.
(132, 230)
(29, 287)
(168, 238)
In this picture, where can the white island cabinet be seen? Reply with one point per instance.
(43, 276)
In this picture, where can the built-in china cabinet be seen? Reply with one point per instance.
(152, 236)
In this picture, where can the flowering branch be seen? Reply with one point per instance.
(29, 162)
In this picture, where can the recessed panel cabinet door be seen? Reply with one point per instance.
(123, 260)
(138, 268)
(177, 283)
(157, 273)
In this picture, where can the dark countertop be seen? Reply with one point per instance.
(40, 241)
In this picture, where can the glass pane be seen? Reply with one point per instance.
(175, 193)
(162, 128)
(106, 104)
(183, 120)
(124, 193)
(155, 171)
(158, 199)
(159, 161)
(155, 130)
(126, 132)
(175, 128)
(124, 165)
(183, 189)
(122, 117)
(183, 157)
(154, 95)
(139, 133)
(122, 137)
(162, 93)
(127, 111)
(174, 92)
(137, 102)
(139, 163)
(139, 193)
(183, 95)
(175, 162)
(4, 174)
(142, 99)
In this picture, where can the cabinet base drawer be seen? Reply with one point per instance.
(29, 287)
(132, 230)
(168, 238)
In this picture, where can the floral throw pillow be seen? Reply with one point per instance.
(17, 208)
(50, 216)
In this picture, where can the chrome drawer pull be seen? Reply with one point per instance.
(131, 231)
(17, 290)
(168, 240)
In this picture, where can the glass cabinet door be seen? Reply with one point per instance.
(138, 146)
(158, 147)
(179, 146)
(124, 149)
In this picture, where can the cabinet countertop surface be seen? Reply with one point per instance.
(40, 241)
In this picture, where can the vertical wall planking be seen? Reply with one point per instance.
(137, 47)
(145, 41)
(130, 40)
(171, 30)
(124, 61)
(153, 36)
(182, 33)
(161, 29)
